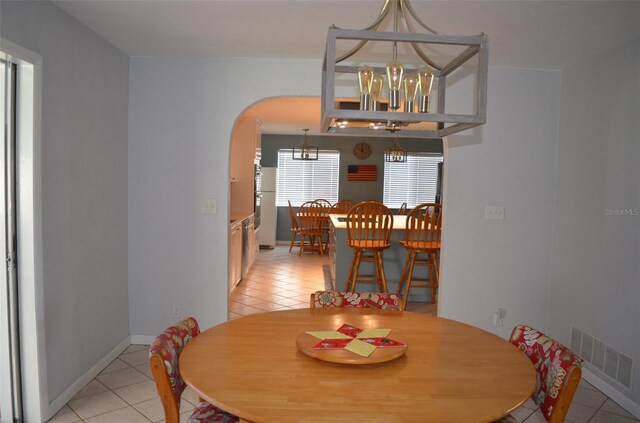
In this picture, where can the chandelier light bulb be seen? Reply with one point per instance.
(365, 80)
(410, 89)
(376, 91)
(395, 72)
(425, 81)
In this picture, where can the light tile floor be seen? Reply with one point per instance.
(124, 392)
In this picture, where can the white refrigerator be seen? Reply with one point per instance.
(268, 213)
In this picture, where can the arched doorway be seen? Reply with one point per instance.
(284, 118)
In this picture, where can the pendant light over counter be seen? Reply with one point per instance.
(304, 151)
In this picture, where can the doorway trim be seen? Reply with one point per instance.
(29, 224)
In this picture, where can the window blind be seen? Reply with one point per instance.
(413, 182)
(305, 180)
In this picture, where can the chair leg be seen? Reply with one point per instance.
(433, 275)
(356, 270)
(301, 244)
(351, 269)
(376, 269)
(412, 267)
(381, 275)
(293, 241)
(404, 280)
(436, 268)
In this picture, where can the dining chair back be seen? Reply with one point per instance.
(326, 208)
(311, 220)
(326, 204)
(341, 207)
(403, 208)
(423, 232)
(369, 225)
(558, 371)
(323, 299)
(295, 228)
(163, 359)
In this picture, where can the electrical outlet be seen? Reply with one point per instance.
(176, 311)
(494, 212)
(498, 317)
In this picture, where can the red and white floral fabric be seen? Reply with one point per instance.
(207, 413)
(357, 300)
(552, 362)
(168, 345)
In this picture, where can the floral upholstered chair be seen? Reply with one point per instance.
(558, 372)
(163, 358)
(355, 299)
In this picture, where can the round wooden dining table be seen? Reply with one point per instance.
(450, 372)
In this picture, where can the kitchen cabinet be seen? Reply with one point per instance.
(235, 254)
(245, 148)
(253, 242)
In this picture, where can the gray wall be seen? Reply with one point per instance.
(510, 162)
(84, 187)
(596, 244)
(353, 190)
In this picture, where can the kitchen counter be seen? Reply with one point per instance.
(393, 257)
(399, 221)
(235, 216)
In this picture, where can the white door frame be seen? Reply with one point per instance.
(29, 224)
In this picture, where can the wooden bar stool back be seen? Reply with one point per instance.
(311, 221)
(422, 241)
(369, 226)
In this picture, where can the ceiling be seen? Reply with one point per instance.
(522, 34)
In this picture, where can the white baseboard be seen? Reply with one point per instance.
(622, 400)
(88, 376)
(142, 339)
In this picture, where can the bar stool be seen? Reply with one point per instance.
(369, 226)
(422, 236)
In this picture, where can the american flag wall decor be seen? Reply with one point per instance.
(362, 173)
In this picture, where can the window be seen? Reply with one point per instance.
(413, 182)
(305, 180)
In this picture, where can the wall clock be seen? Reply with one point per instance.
(362, 150)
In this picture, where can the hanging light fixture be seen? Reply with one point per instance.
(396, 153)
(410, 85)
(304, 151)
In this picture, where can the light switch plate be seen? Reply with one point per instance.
(209, 206)
(494, 212)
